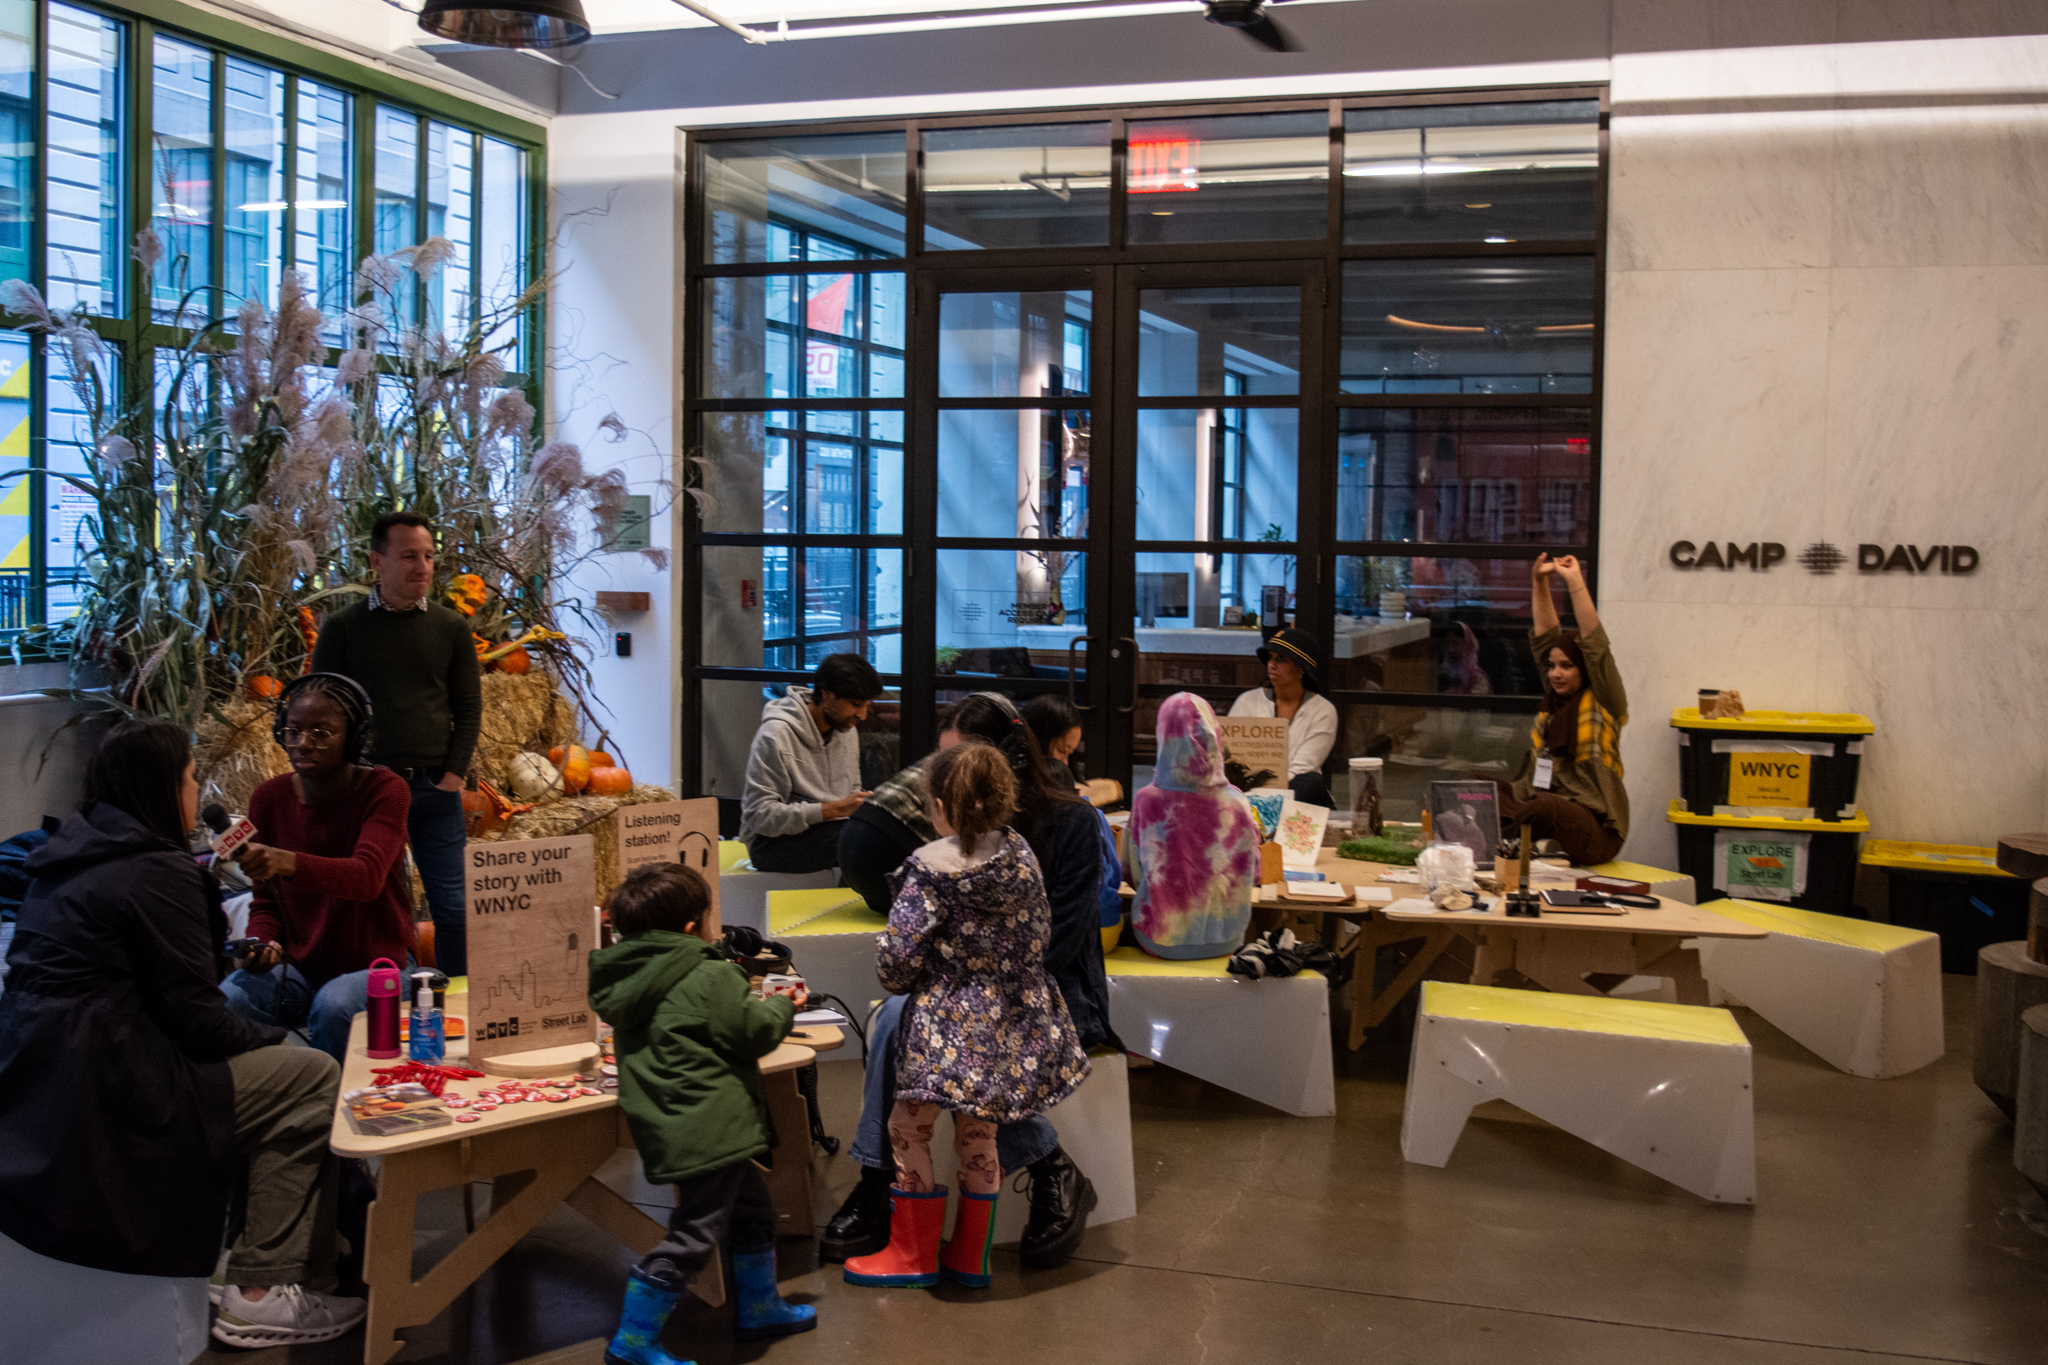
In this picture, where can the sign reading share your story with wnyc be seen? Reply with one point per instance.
(532, 924)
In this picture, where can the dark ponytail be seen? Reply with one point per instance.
(139, 768)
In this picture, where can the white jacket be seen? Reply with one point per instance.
(1310, 735)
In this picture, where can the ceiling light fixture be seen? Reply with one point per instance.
(507, 23)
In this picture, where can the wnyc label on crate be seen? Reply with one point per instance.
(531, 929)
(683, 832)
(1770, 779)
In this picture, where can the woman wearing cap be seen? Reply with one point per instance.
(1295, 694)
(328, 862)
(1569, 787)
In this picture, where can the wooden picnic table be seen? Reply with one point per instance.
(536, 1156)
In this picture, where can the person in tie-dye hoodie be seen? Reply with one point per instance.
(1192, 847)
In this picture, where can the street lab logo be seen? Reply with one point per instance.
(1823, 558)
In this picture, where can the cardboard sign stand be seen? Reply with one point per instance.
(532, 924)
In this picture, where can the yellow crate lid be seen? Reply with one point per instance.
(1793, 722)
(1679, 815)
(1963, 859)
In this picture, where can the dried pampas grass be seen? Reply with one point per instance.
(234, 753)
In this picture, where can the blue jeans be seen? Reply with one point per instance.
(253, 995)
(1018, 1144)
(438, 833)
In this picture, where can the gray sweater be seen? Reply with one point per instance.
(792, 770)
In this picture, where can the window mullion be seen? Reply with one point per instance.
(217, 226)
(288, 181)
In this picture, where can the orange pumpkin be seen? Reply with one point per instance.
(474, 802)
(576, 768)
(555, 755)
(263, 687)
(518, 661)
(610, 782)
(600, 759)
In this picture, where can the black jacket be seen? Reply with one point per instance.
(1069, 851)
(117, 1110)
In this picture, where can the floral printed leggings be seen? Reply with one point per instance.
(974, 1141)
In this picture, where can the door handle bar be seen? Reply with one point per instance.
(1127, 640)
(1073, 699)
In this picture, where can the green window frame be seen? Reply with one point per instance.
(475, 141)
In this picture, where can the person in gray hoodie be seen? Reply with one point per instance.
(803, 771)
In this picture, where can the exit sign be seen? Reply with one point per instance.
(1164, 165)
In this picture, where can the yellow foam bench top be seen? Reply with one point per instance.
(1634, 872)
(1582, 1013)
(1137, 962)
(801, 911)
(731, 853)
(1811, 924)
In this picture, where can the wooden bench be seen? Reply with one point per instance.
(1663, 1087)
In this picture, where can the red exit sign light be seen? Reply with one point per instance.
(1164, 165)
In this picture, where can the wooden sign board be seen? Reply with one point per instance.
(531, 929)
(1258, 742)
(683, 832)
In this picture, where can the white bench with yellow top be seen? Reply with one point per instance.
(743, 891)
(1664, 1087)
(1864, 997)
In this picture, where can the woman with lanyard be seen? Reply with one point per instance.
(328, 863)
(1569, 788)
(1294, 693)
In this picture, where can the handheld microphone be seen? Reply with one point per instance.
(227, 837)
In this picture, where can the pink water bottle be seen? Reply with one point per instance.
(383, 1008)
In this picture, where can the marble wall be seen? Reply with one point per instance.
(1827, 320)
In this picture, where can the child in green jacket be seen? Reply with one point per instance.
(689, 1037)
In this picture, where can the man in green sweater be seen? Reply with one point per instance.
(417, 661)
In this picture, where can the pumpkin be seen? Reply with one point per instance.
(474, 802)
(518, 661)
(263, 687)
(600, 759)
(576, 768)
(533, 778)
(610, 782)
(555, 755)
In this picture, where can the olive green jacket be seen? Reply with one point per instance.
(689, 1037)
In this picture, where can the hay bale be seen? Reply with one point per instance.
(583, 815)
(233, 753)
(522, 712)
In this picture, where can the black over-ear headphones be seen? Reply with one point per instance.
(346, 693)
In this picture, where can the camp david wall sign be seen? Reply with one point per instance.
(1823, 558)
(532, 920)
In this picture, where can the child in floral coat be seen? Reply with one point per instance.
(985, 1033)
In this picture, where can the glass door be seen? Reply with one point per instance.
(1217, 534)
(1006, 461)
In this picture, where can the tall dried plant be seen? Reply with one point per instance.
(238, 495)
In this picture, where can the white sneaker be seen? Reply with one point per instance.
(290, 1314)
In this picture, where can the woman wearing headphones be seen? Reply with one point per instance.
(328, 863)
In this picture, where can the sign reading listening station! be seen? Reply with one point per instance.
(1823, 558)
(683, 832)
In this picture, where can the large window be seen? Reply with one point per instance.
(1088, 403)
(244, 153)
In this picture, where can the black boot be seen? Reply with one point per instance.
(1061, 1198)
(861, 1227)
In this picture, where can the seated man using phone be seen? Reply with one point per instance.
(328, 865)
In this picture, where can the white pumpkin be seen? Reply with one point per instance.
(533, 778)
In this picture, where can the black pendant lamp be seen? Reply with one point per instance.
(507, 23)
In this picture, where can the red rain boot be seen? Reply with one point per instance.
(965, 1258)
(911, 1260)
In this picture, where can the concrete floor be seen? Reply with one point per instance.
(1890, 1226)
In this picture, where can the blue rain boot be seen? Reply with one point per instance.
(762, 1313)
(638, 1340)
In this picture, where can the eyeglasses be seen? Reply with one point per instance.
(294, 735)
